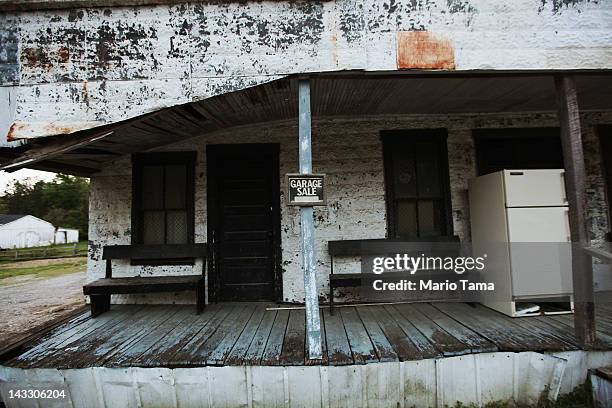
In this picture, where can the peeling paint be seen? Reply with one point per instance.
(13, 129)
(557, 6)
(462, 6)
(352, 20)
(9, 50)
(424, 50)
(140, 59)
(20, 130)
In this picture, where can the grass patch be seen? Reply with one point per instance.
(43, 252)
(580, 397)
(80, 245)
(55, 269)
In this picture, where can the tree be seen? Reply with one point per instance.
(62, 201)
(25, 197)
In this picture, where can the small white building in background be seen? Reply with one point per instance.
(66, 236)
(24, 231)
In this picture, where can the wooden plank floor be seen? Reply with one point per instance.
(249, 334)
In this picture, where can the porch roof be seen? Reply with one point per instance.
(333, 95)
(248, 334)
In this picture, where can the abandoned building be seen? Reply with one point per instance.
(190, 118)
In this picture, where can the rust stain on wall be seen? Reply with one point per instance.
(20, 130)
(63, 54)
(35, 57)
(424, 50)
(10, 136)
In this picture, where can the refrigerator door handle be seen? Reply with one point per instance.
(567, 225)
(563, 192)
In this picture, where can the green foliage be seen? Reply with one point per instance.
(42, 252)
(62, 201)
(580, 397)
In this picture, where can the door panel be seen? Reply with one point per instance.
(539, 251)
(528, 188)
(244, 215)
(546, 224)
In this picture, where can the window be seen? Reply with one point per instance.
(416, 177)
(163, 198)
(605, 144)
(511, 149)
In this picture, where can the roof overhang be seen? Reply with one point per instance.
(333, 95)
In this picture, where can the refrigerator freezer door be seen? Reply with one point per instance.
(534, 188)
(540, 253)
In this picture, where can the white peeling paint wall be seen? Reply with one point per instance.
(79, 68)
(472, 379)
(349, 151)
(8, 105)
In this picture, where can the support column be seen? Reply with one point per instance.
(575, 181)
(311, 297)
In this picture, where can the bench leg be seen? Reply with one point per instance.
(331, 298)
(331, 287)
(200, 299)
(99, 304)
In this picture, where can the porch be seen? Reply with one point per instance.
(425, 354)
(355, 116)
(238, 334)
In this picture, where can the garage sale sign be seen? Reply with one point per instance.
(306, 189)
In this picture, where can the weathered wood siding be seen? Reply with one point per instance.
(66, 70)
(349, 151)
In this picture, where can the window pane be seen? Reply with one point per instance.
(176, 186)
(518, 148)
(428, 169)
(428, 218)
(404, 177)
(152, 187)
(176, 224)
(406, 218)
(153, 227)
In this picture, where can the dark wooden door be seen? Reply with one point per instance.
(244, 217)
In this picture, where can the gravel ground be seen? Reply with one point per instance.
(27, 301)
(38, 262)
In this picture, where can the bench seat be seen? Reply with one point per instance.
(119, 286)
(100, 291)
(361, 247)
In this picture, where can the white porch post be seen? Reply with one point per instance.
(311, 297)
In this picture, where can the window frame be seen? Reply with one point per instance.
(604, 138)
(519, 136)
(140, 160)
(391, 138)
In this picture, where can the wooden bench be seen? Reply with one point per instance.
(100, 291)
(377, 247)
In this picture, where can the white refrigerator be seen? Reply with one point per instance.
(520, 219)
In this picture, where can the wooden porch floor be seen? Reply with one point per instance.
(248, 334)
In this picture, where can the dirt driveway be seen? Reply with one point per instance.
(27, 301)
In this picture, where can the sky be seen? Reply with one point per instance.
(6, 178)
